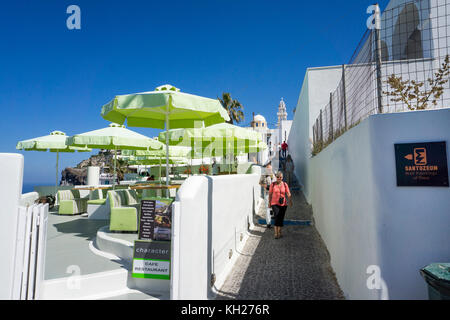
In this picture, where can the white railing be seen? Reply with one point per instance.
(29, 262)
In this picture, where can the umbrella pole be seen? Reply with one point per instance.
(56, 183)
(114, 174)
(167, 150)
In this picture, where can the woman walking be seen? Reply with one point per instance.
(278, 195)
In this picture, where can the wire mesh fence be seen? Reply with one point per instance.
(401, 66)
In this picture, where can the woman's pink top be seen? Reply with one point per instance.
(279, 190)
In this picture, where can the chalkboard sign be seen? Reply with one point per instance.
(147, 220)
(421, 164)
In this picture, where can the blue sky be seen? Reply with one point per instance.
(53, 78)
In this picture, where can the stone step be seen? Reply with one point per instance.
(120, 247)
(289, 222)
(84, 286)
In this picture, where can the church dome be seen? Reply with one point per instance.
(259, 122)
(260, 118)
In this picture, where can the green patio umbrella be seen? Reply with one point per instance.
(114, 137)
(154, 160)
(54, 142)
(132, 160)
(166, 107)
(177, 155)
(174, 151)
(228, 147)
(220, 139)
(218, 131)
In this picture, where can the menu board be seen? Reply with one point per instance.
(147, 220)
(155, 221)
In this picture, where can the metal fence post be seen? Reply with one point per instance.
(317, 130)
(331, 116)
(321, 127)
(378, 57)
(344, 95)
(314, 134)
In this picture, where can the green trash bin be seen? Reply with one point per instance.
(437, 276)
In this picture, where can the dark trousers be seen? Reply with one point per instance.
(278, 213)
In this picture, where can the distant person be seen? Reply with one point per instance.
(267, 178)
(284, 148)
(278, 195)
(289, 170)
(215, 168)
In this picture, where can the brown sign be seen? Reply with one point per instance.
(422, 164)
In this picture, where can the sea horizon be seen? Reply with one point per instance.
(29, 186)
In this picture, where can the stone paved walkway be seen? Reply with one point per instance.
(295, 267)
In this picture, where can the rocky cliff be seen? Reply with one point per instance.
(78, 175)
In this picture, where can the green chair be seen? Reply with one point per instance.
(70, 202)
(124, 210)
(98, 196)
(97, 207)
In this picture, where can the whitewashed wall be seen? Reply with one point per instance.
(211, 215)
(11, 173)
(364, 218)
(314, 95)
(28, 199)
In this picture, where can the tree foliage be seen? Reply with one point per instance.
(417, 95)
(233, 107)
(121, 168)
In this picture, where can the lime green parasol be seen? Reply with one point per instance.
(166, 107)
(221, 139)
(54, 142)
(114, 137)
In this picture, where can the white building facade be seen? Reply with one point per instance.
(272, 137)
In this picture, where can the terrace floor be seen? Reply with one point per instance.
(68, 241)
(71, 250)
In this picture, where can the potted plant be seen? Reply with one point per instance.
(203, 169)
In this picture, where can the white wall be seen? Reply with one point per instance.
(11, 173)
(50, 190)
(27, 199)
(285, 129)
(365, 219)
(213, 213)
(314, 95)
